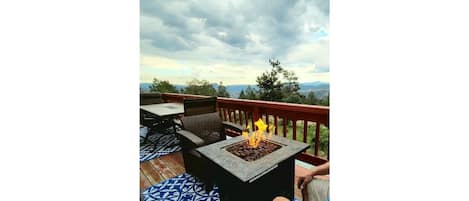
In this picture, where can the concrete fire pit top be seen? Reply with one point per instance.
(247, 171)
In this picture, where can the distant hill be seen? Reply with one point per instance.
(235, 90)
(321, 89)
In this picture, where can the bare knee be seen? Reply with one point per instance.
(280, 198)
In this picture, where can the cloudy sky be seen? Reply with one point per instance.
(232, 41)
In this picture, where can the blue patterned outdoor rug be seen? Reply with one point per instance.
(181, 188)
(163, 147)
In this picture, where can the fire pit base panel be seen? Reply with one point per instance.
(276, 182)
(262, 179)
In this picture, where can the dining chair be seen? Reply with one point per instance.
(148, 120)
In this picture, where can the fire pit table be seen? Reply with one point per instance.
(262, 173)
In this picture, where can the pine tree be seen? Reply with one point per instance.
(242, 95)
(270, 86)
(221, 92)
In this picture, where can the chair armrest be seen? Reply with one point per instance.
(195, 140)
(232, 126)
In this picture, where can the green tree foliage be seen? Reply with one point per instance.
(221, 92)
(242, 95)
(294, 98)
(270, 86)
(325, 100)
(311, 99)
(200, 87)
(162, 86)
(291, 85)
(251, 93)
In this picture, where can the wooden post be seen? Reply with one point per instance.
(316, 140)
(294, 129)
(305, 130)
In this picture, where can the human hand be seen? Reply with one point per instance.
(304, 180)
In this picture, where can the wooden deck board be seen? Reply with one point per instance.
(159, 169)
(150, 173)
(144, 183)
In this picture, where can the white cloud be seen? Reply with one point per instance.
(316, 53)
(160, 62)
(231, 41)
(222, 33)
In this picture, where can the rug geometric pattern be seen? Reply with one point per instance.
(179, 188)
(163, 147)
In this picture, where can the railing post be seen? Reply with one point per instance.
(275, 123)
(305, 130)
(246, 118)
(316, 140)
(285, 122)
(255, 114)
(294, 128)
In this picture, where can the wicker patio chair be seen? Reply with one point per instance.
(200, 106)
(200, 130)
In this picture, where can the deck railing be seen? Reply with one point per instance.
(245, 112)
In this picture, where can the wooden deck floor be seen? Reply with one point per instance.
(157, 170)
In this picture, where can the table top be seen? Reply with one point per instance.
(164, 109)
(245, 170)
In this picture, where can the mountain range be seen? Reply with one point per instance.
(320, 89)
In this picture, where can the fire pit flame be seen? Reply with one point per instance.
(255, 137)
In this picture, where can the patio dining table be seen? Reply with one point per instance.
(164, 111)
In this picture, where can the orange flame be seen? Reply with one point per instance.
(255, 138)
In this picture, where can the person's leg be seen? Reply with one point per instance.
(280, 198)
(316, 190)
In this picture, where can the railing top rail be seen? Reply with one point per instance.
(265, 104)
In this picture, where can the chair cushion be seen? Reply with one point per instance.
(206, 126)
(210, 137)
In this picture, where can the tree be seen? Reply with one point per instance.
(251, 93)
(291, 85)
(325, 100)
(162, 86)
(273, 89)
(221, 92)
(200, 87)
(270, 86)
(242, 95)
(311, 99)
(294, 98)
